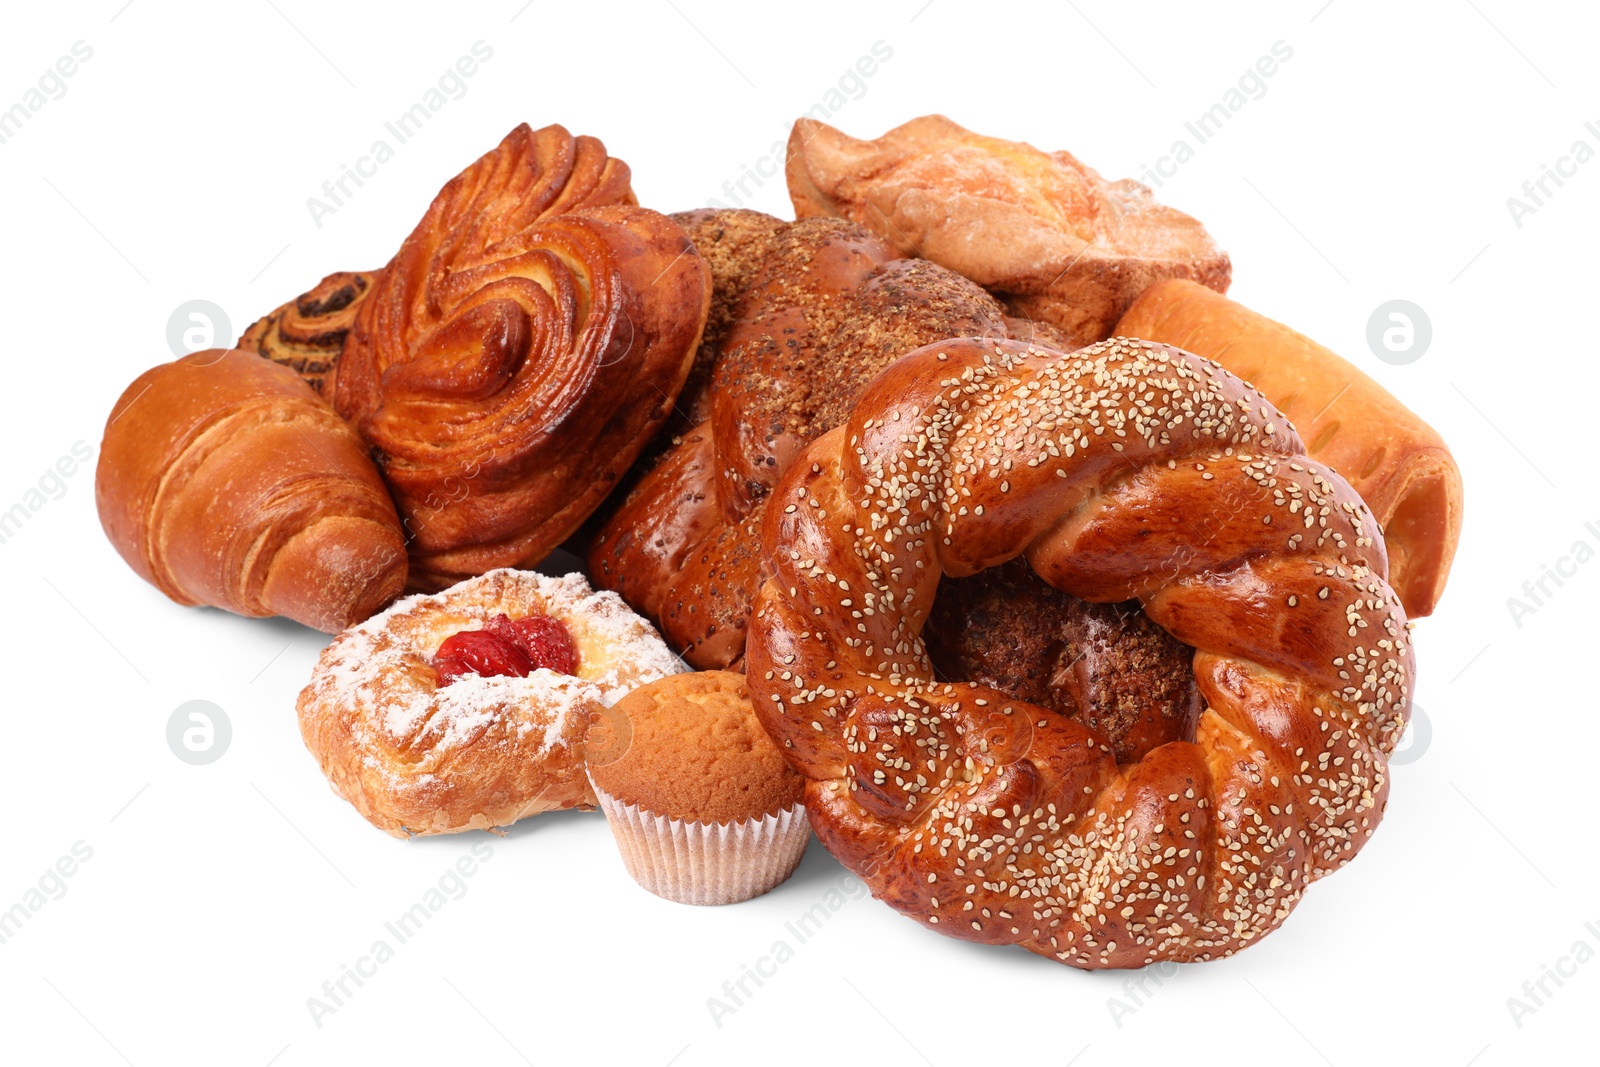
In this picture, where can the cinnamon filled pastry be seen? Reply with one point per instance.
(519, 351)
(307, 334)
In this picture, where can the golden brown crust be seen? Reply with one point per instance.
(224, 480)
(1398, 463)
(307, 334)
(1057, 242)
(1125, 470)
(531, 298)
(415, 759)
(733, 242)
(829, 306)
(697, 752)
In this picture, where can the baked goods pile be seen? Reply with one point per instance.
(1065, 598)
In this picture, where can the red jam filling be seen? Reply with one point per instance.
(507, 647)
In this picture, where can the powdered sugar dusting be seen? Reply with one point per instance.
(540, 702)
(377, 677)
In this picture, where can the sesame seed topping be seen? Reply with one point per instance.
(969, 452)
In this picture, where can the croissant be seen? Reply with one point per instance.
(1042, 231)
(1398, 464)
(1126, 470)
(828, 306)
(519, 351)
(307, 334)
(224, 480)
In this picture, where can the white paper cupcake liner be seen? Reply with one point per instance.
(706, 863)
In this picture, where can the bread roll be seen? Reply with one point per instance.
(224, 480)
(1398, 463)
(827, 306)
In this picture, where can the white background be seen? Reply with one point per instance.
(218, 899)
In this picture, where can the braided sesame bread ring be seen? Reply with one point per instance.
(1127, 469)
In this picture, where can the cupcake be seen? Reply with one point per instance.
(704, 808)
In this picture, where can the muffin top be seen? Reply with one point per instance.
(690, 747)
